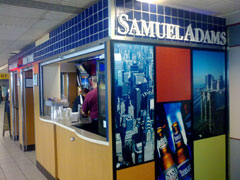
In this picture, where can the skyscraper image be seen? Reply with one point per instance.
(134, 101)
(208, 93)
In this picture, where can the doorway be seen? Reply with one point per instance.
(27, 121)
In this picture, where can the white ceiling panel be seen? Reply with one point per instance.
(20, 12)
(73, 3)
(53, 15)
(16, 22)
(213, 7)
(77, 3)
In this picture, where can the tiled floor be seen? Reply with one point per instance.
(15, 164)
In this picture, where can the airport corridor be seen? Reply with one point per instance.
(15, 164)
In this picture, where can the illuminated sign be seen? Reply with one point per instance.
(4, 76)
(28, 59)
(152, 29)
(13, 66)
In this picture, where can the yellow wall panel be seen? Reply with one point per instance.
(140, 172)
(210, 158)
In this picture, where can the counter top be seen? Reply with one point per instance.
(81, 133)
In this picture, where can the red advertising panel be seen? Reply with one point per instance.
(173, 74)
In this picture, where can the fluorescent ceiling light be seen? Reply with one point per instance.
(151, 1)
(3, 67)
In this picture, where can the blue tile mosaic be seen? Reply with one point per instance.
(160, 18)
(163, 14)
(180, 13)
(153, 8)
(153, 17)
(174, 12)
(160, 9)
(168, 11)
(137, 5)
(145, 7)
(90, 25)
(128, 4)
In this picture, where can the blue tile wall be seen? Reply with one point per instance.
(152, 12)
(88, 26)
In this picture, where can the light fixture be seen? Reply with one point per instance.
(3, 67)
(151, 1)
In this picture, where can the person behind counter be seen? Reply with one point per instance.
(79, 99)
(0, 94)
(90, 104)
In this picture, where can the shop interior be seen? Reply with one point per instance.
(65, 85)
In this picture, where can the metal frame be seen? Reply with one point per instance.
(14, 104)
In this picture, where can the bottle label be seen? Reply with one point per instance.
(184, 170)
(171, 173)
(162, 142)
(177, 137)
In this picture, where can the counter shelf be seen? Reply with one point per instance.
(76, 128)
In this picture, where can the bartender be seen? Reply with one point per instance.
(79, 99)
(90, 106)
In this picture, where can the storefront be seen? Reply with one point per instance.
(162, 94)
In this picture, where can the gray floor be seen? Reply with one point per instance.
(15, 164)
(234, 159)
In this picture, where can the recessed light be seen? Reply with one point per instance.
(151, 1)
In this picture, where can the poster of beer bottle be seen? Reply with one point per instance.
(174, 143)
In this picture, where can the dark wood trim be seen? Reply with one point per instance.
(44, 171)
(235, 24)
(15, 138)
(234, 46)
(27, 147)
(238, 139)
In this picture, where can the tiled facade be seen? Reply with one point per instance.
(88, 26)
(93, 24)
(157, 13)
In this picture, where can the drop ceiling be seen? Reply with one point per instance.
(23, 22)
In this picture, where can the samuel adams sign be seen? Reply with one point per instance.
(152, 29)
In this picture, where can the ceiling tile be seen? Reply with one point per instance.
(17, 11)
(52, 15)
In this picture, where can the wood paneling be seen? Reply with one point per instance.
(140, 172)
(30, 132)
(80, 159)
(72, 92)
(44, 136)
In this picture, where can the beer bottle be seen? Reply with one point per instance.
(170, 171)
(182, 155)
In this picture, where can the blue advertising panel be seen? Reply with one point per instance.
(174, 141)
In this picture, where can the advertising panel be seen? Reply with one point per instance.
(134, 104)
(208, 93)
(174, 143)
(173, 74)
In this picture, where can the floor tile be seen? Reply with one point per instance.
(15, 164)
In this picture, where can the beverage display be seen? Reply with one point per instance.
(182, 156)
(173, 121)
(170, 171)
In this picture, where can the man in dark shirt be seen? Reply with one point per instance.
(91, 104)
(79, 99)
